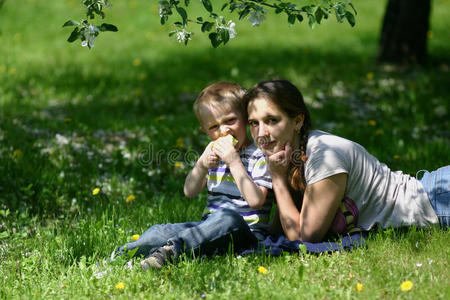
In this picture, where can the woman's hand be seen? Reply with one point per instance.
(279, 162)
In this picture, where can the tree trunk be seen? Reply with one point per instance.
(404, 33)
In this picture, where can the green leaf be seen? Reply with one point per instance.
(244, 13)
(74, 35)
(207, 26)
(319, 15)
(299, 17)
(71, 23)
(312, 21)
(224, 6)
(215, 39)
(225, 35)
(207, 4)
(182, 12)
(187, 2)
(350, 18)
(291, 19)
(108, 27)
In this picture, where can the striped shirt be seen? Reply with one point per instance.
(224, 193)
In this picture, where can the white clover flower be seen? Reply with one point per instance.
(161, 11)
(257, 16)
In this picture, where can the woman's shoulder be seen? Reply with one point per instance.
(318, 137)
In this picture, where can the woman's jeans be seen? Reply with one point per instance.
(217, 233)
(437, 186)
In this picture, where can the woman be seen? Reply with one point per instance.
(325, 169)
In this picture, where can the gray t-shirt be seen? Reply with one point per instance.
(382, 196)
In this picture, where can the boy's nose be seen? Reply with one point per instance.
(224, 130)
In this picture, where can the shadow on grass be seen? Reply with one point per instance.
(119, 97)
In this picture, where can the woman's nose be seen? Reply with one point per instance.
(262, 130)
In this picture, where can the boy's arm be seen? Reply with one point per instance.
(254, 194)
(196, 179)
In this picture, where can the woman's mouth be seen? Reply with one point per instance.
(265, 143)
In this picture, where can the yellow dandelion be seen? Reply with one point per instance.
(396, 156)
(178, 164)
(372, 122)
(429, 34)
(130, 198)
(369, 76)
(67, 120)
(18, 153)
(95, 191)
(137, 62)
(120, 286)
(12, 71)
(159, 118)
(359, 287)
(406, 285)
(180, 142)
(262, 270)
(142, 76)
(135, 237)
(138, 92)
(379, 132)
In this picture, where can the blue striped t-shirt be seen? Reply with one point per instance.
(224, 193)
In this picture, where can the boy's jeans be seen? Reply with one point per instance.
(437, 186)
(213, 235)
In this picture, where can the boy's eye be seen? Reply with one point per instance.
(272, 121)
(253, 123)
(231, 121)
(213, 127)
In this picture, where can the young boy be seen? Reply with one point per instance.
(237, 180)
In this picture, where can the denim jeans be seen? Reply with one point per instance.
(214, 234)
(437, 186)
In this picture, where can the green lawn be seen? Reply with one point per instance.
(119, 117)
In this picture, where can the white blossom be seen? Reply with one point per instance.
(257, 16)
(183, 36)
(231, 29)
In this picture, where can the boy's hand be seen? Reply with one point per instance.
(224, 149)
(209, 159)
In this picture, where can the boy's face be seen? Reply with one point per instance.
(220, 121)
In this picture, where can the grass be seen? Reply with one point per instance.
(119, 117)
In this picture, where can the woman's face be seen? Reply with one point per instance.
(271, 127)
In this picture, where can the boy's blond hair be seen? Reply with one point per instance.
(218, 95)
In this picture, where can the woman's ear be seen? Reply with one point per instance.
(299, 122)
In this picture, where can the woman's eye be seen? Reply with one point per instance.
(252, 123)
(213, 127)
(272, 121)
